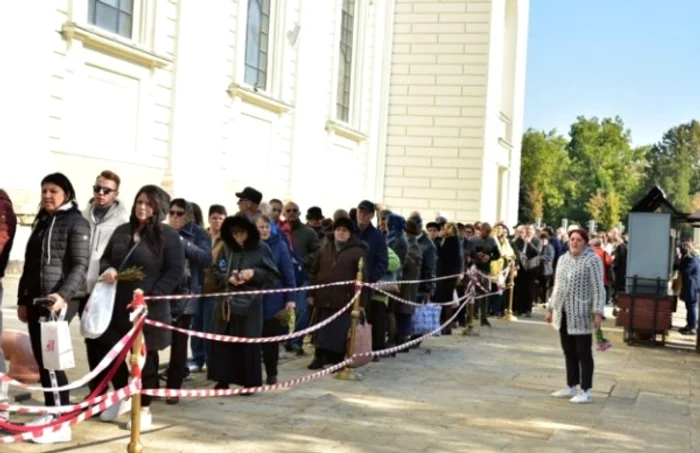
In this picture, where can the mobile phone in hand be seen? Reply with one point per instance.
(44, 302)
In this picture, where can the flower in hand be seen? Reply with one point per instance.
(603, 344)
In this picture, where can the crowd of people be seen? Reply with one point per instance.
(265, 245)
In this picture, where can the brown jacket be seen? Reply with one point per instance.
(332, 266)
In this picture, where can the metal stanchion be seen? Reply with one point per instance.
(135, 443)
(347, 373)
(511, 286)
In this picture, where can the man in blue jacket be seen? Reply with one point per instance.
(376, 258)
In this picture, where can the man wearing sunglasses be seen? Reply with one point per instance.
(104, 213)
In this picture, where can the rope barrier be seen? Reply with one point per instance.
(40, 431)
(276, 339)
(104, 363)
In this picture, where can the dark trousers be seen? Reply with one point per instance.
(149, 376)
(96, 351)
(270, 351)
(378, 319)
(34, 315)
(579, 357)
(178, 353)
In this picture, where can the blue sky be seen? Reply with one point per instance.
(639, 59)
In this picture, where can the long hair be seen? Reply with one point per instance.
(152, 231)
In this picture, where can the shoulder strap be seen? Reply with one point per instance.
(128, 255)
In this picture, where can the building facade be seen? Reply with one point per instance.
(414, 103)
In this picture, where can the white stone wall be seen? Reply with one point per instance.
(444, 149)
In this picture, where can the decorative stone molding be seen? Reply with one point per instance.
(344, 131)
(94, 38)
(258, 99)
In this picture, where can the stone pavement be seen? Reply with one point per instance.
(456, 394)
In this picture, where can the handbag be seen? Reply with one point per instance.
(425, 319)
(238, 305)
(100, 305)
(56, 345)
(363, 343)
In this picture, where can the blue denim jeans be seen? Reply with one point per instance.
(201, 322)
(302, 315)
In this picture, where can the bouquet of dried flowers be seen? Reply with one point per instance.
(131, 274)
(287, 318)
(602, 343)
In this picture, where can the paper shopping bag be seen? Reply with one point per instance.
(98, 311)
(56, 346)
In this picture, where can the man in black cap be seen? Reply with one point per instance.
(249, 202)
(376, 258)
(314, 218)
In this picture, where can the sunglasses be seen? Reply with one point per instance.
(177, 213)
(291, 210)
(102, 190)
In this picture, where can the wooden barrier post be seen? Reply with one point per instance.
(347, 373)
(511, 286)
(135, 443)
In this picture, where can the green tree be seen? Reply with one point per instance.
(543, 174)
(605, 167)
(674, 164)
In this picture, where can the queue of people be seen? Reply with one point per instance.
(265, 245)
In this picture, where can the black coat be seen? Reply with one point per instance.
(164, 272)
(57, 256)
(428, 269)
(450, 258)
(410, 271)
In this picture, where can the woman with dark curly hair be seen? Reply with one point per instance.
(156, 248)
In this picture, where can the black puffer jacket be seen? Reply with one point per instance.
(57, 256)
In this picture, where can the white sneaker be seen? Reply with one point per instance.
(146, 421)
(115, 411)
(584, 397)
(282, 353)
(565, 393)
(60, 436)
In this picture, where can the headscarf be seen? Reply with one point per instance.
(395, 225)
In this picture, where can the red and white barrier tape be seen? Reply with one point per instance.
(237, 391)
(132, 389)
(276, 339)
(119, 394)
(104, 363)
(417, 304)
(289, 290)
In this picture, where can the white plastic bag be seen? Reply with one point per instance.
(98, 310)
(455, 298)
(56, 345)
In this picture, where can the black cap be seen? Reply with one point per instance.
(344, 222)
(314, 213)
(250, 194)
(367, 206)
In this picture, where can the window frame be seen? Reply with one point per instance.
(359, 37)
(142, 22)
(276, 49)
(92, 16)
(268, 46)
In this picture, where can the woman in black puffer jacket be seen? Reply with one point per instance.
(55, 266)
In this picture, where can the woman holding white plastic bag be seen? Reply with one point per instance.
(55, 268)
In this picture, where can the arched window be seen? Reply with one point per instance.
(347, 28)
(116, 16)
(257, 43)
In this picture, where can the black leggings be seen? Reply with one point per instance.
(34, 314)
(579, 357)
(271, 351)
(96, 351)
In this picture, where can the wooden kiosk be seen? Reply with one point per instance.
(646, 306)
